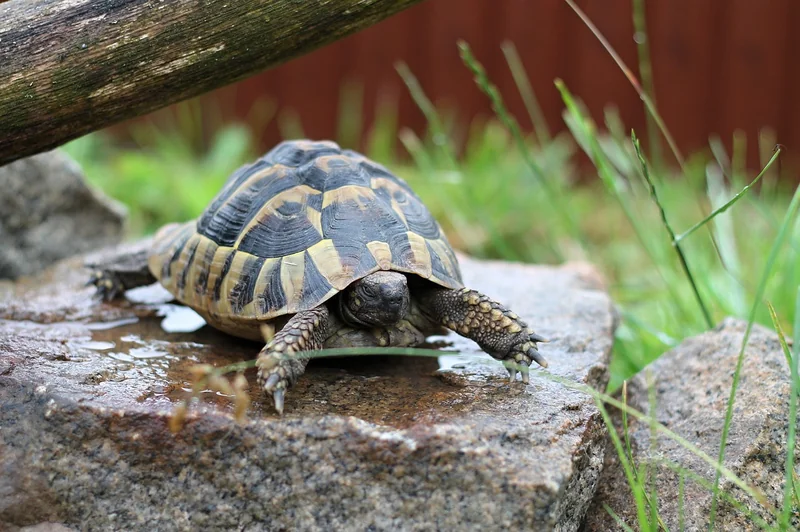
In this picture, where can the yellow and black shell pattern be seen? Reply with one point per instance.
(294, 228)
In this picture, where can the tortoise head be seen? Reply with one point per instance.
(380, 299)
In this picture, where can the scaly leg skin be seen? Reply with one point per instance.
(277, 368)
(498, 331)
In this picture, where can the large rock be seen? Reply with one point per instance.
(692, 384)
(377, 443)
(49, 212)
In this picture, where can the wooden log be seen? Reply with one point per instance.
(69, 67)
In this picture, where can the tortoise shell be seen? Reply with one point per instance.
(291, 230)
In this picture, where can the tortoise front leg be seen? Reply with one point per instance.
(498, 331)
(277, 368)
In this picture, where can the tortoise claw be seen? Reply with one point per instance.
(521, 359)
(512, 374)
(278, 396)
(525, 371)
(538, 338)
(275, 385)
(536, 357)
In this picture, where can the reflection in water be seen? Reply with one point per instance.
(95, 345)
(178, 318)
(153, 294)
(462, 361)
(105, 325)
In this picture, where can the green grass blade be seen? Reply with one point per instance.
(625, 426)
(634, 321)
(781, 336)
(651, 108)
(788, 492)
(684, 473)
(424, 162)
(681, 255)
(385, 131)
(651, 499)
(607, 175)
(351, 115)
(796, 489)
(646, 72)
(732, 201)
(498, 106)
(435, 123)
(739, 156)
(290, 125)
(456, 195)
(652, 473)
(681, 500)
(340, 352)
(617, 519)
(525, 89)
(783, 232)
(630, 473)
(727, 249)
(796, 327)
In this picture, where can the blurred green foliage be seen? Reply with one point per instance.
(165, 179)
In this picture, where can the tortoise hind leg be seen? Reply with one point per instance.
(496, 329)
(115, 272)
(278, 368)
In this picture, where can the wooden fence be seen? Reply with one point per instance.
(719, 66)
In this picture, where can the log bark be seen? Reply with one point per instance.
(69, 67)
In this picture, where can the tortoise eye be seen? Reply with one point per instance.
(368, 290)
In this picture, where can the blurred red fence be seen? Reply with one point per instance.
(719, 65)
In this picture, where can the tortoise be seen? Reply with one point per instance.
(329, 248)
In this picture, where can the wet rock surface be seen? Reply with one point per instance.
(48, 212)
(380, 443)
(692, 384)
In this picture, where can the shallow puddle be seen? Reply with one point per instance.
(152, 339)
(394, 390)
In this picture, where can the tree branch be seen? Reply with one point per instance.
(69, 67)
